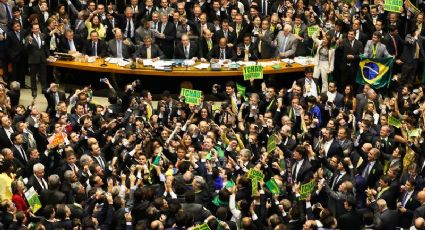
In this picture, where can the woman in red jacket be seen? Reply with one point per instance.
(18, 197)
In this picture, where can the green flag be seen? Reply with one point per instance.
(220, 151)
(203, 226)
(156, 160)
(230, 184)
(394, 121)
(375, 71)
(271, 143)
(273, 186)
(241, 89)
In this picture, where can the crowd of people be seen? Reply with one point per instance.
(129, 164)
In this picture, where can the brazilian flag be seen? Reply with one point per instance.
(375, 71)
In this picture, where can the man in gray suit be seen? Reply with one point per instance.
(374, 48)
(5, 14)
(285, 43)
(118, 47)
(38, 52)
(143, 31)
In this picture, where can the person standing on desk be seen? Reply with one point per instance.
(222, 52)
(148, 51)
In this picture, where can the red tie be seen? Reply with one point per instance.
(395, 45)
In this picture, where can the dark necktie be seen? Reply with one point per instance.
(395, 45)
(9, 15)
(94, 48)
(221, 53)
(24, 156)
(186, 52)
(128, 29)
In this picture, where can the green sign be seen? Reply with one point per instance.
(203, 226)
(33, 200)
(271, 143)
(414, 133)
(255, 175)
(252, 72)
(394, 121)
(191, 96)
(311, 30)
(241, 89)
(273, 186)
(393, 5)
(307, 189)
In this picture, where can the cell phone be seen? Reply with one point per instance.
(103, 79)
(127, 210)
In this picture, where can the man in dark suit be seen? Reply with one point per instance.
(393, 42)
(419, 211)
(186, 49)
(18, 149)
(301, 168)
(247, 50)
(407, 203)
(371, 169)
(6, 131)
(17, 54)
(334, 96)
(206, 44)
(222, 52)
(118, 47)
(203, 25)
(96, 47)
(352, 219)
(389, 218)
(412, 52)
(38, 52)
(165, 36)
(198, 211)
(111, 23)
(224, 32)
(128, 24)
(329, 146)
(239, 27)
(52, 195)
(98, 157)
(264, 41)
(349, 50)
(148, 50)
(54, 96)
(70, 44)
(37, 179)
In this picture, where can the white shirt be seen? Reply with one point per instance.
(331, 96)
(297, 168)
(72, 45)
(327, 145)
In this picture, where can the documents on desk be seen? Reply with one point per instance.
(202, 66)
(303, 60)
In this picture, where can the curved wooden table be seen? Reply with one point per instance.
(177, 71)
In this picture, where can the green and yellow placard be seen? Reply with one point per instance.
(393, 5)
(252, 72)
(307, 189)
(192, 96)
(311, 30)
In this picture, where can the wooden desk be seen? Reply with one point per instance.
(177, 71)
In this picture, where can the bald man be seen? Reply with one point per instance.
(420, 211)
(186, 49)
